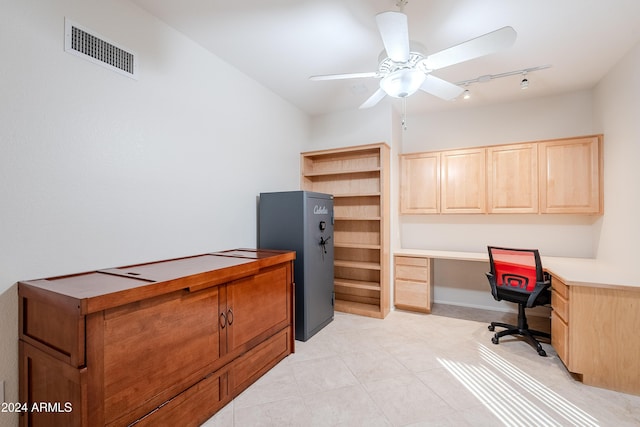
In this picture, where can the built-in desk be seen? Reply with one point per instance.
(595, 315)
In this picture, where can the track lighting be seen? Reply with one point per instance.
(524, 83)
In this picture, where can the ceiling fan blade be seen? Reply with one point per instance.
(471, 49)
(395, 34)
(344, 76)
(441, 88)
(373, 99)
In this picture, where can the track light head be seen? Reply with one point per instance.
(524, 84)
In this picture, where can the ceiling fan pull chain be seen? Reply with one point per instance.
(404, 113)
(401, 4)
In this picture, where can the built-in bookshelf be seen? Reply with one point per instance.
(358, 179)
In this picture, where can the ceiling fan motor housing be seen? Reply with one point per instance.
(402, 82)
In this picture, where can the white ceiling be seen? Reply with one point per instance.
(280, 43)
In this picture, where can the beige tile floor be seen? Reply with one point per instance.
(423, 370)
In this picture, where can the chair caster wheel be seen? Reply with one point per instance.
(542, 353)
(492, 328)
(494, 340)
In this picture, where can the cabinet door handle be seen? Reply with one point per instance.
(230, 316)
(223, 320)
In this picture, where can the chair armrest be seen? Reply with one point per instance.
(540, 287)
(494, 286)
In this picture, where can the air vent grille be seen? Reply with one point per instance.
(94, 48)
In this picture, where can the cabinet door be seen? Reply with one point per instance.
(46, 379)
(570, 176)
(155, 349)
(257, 307)
(512, 171)
(560, 319)
(560, 338)
(420, 183)
(462, 178)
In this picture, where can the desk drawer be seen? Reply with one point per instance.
(414, 261)
(560, 338)
(560, 305)
(560, 287)
(414, 295)
(412, 268)
(407, 272)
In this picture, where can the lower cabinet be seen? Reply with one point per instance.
(413, 283)
(594, 331)
(171, 350)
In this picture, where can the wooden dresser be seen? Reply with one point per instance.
(163, 343)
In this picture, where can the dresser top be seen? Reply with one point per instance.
(111, 287)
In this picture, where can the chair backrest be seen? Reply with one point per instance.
(516, 268)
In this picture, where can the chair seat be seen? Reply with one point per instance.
(522, 297)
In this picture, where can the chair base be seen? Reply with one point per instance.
(522, 329)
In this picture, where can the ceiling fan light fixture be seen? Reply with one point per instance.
(403, 82)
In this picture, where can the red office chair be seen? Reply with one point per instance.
(516, 275)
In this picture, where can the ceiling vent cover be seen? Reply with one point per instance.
(80, 42)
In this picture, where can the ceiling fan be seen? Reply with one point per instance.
(404, 68)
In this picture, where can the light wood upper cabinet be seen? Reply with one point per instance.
(512, 174)
(462, 181)
(570, 172)
(555, 176)
(420, 189)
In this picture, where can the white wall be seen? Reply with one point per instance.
(99, 170)
(617, 111)
(528, 119)
(347, 128)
